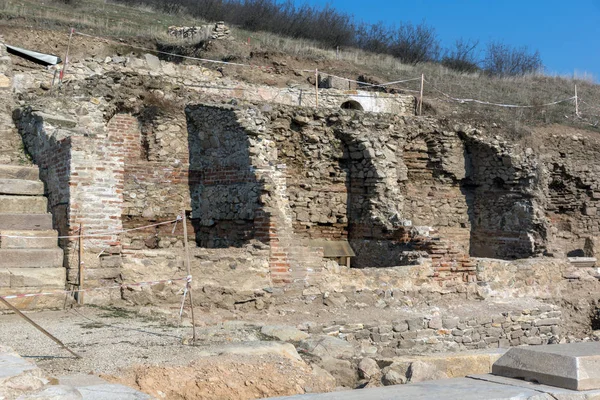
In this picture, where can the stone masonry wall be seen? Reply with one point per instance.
(435, 333)
(356, 176)
(572, 191)
(84, 178)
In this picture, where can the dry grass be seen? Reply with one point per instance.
(99, 16)
(103, 18)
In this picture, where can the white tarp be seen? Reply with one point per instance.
(47, 59)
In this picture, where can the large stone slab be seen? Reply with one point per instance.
(92, 387)
(10, 204)
(35, 277)
(446, 389)
(31, 258)
(17, 375)
(481, 387)
(33, 222)
(21, 187)
(18, 172)
(583, 262)
(574, 366)
(54, 301)
(28, 239)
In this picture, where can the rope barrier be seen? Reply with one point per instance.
(207, 60)
(498, 104)
(97, 234)
(187, 279)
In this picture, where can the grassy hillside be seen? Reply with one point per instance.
(48, 21)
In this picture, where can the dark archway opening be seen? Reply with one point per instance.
(352, 105)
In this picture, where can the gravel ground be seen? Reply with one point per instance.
(109, 340)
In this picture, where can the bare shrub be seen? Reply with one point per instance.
(462, 57)
(504, 60)
(412, 44)
(415, 43)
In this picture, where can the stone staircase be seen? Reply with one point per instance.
(31, 262)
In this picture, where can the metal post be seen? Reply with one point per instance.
(421, 94)
(317, 87)
(189, 272)
(81, 277)
(576, 102)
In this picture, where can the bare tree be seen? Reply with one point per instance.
(463, 57)
(504, 60)
(415, 43)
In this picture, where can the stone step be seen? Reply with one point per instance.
(25, 222)
(15, 278)
(31, 240)
(31, 258)
(19, 172)
(11, 204)
(21, 187)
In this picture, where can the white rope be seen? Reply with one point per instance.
(121, 286)
(207, 60)
(188, 281)
(498, 104)
(185, 290)
(172, 54)
(97, 234)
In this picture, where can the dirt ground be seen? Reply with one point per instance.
(227, 377)
(153, 354)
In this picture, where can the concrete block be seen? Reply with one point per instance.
(31, 222)
(17, 172)
(10, 204)
(574, 366)
(21, 187)
(31, 258)
(31, 239)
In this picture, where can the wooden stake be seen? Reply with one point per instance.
(576, 102)
(81, 278)
(421, 94)
(62, 72)
(39, 328)
(317, 87)
(189, 272)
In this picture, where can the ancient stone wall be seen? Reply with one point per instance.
(572, 193)
(83, 174)
(434, 333)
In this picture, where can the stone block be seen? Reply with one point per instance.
(21, 187)
(574, 366)
(31, 258)
(33, 222)
(415, 324)
(547, 322)
(37, 277)
(23, 204)
(28, 239)
(18, 172)
(450, 323)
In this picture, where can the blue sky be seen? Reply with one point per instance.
(567, 33)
